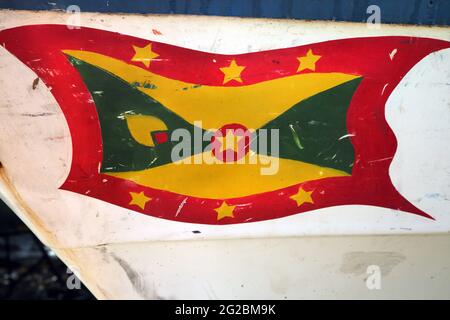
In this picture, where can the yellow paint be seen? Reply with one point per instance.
(224, 211)
(139, 199)
(140, 127)
(144, 54)
(250, 105)
(308, 61)
(232, 72)
(227, 180)
(302, 197)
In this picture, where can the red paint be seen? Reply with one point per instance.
(243, 136)
(373, 140)
(156, 32)
(161, 137)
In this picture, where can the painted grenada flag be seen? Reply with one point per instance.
(219, 139)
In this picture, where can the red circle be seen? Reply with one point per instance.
(243, 144)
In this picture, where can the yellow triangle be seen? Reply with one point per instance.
(251, 105)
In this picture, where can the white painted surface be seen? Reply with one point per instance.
(412, 267)
(36, 155)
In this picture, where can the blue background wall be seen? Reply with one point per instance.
(428, 12)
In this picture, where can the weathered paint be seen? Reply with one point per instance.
(111, 247)
(333, 144)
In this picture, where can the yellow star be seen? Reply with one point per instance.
(224, 211)
(302, 197)
(230, 141)
(144, 54)
(232, 72)
(139, 199)
(308, 61)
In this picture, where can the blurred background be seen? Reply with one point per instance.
(30, 270)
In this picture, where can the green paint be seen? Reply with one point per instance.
(310, 131)
(146, 85)
(119, 98)
(191, 87)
